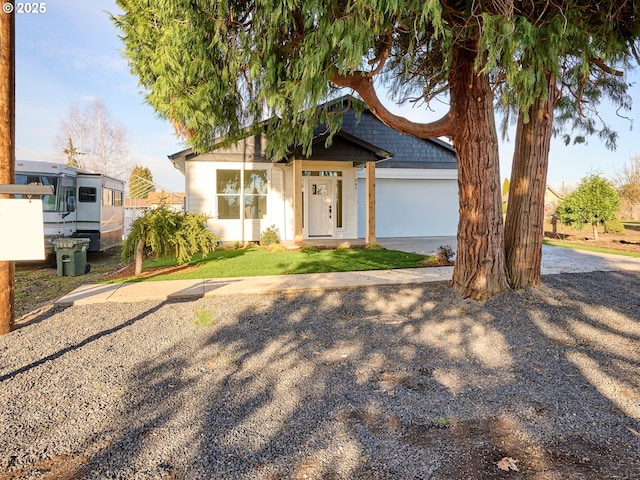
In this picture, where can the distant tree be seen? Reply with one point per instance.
(141, 182)
(167, 233)
(505, 186)
(72, 155)
(93, 140)
(595, 201)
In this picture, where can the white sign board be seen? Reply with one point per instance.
(21, 230)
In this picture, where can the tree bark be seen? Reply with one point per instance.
(594, 229)
(7, 155)
(524, 224)
(479, 270)
(139, 256)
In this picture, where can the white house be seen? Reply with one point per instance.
(371, 182)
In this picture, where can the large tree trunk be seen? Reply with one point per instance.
(479, 270)
(524, 225)
(7, 155)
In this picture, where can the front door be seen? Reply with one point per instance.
(320, 208)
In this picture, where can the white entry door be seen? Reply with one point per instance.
(320, 208)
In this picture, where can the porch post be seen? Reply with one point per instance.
(297, 202)
(370, 199)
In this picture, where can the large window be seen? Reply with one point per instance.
(249, 196)
(255, 194)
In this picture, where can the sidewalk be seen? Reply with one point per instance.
(555, 260)
(309, 282)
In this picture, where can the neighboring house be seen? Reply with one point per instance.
(552, 199)
(332, 194)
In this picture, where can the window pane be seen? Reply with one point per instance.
(255, 206)
(255, 182)
(228, 207)
(228, 182)
(87, 194)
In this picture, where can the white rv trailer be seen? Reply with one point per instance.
(84, 204)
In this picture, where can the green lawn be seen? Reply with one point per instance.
(556, 243)
(258, 261)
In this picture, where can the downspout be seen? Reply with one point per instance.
(241, 202)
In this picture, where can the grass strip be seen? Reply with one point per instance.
(259, 261)
(555, 243)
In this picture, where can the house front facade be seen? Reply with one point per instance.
(371, 181)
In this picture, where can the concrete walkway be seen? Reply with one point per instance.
(555, 260)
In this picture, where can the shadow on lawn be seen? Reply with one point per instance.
(387, 383)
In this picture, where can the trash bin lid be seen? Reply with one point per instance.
(70, 242)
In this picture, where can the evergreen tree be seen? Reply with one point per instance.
(166, 233)
(215, 70)
(141, 182)
(594, 202)
(556, 74)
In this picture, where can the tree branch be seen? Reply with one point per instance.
(381, 56)
(606, 68)
(361, 83)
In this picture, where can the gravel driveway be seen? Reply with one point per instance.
(379, 383)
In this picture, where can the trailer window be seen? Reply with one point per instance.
(112, 197)
(48, 201)
(87, 194)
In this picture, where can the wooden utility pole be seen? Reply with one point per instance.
(7, 149)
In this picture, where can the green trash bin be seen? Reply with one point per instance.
(71, 256)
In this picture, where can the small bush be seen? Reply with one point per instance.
(613, 226)
(445, 254)
(270, 236)
(373, 246)
(343, 246)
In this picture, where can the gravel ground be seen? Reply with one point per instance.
(381, 383)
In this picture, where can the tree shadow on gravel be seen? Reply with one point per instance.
(385, 383)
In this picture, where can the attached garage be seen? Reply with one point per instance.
(412, 203)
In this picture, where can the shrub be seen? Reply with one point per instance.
(613, 226)
(373, 246)
(445, 254)
(270, 236)
(166, 233)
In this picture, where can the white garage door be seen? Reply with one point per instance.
(412, 208)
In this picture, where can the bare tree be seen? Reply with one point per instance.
(99, 143)
(627, 180)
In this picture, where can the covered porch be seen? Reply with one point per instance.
(315, 204)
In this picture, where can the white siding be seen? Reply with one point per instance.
(201, 194)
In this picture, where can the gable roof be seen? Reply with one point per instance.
(344, 147)
(367, 139)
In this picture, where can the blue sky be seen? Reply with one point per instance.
(71, 54)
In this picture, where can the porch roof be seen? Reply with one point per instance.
(343, 148)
